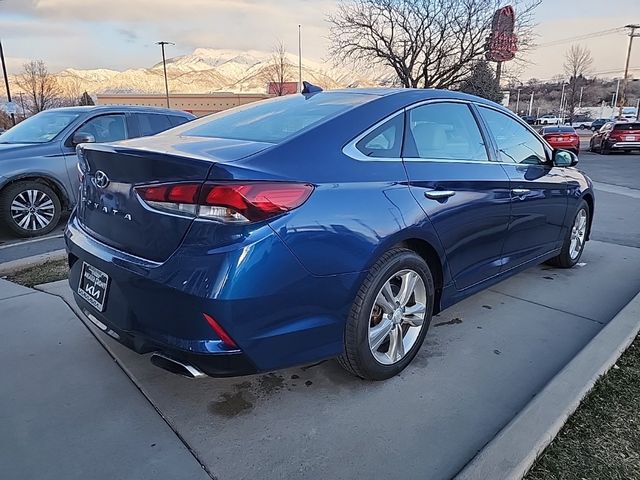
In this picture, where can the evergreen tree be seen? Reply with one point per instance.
(482, 82)
(86, 99)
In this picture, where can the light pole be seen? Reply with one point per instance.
(615, 99)
(164, 66)
(580, 101)
(622, 100)
(531, 103)
(6, 81)
(561, 116)
(518, 102)
(299, 59)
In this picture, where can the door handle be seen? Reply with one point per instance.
(520, 192)
(439, 194)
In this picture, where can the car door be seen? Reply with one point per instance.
(463, 192)
(538, 188)
(105, 128)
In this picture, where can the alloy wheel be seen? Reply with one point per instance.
(32, 209)
(397, 317)
(578, 233)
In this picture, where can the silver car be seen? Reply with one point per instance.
(38, 174)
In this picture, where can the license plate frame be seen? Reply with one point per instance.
(93, 286)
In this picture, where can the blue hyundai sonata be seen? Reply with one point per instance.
(317, 225)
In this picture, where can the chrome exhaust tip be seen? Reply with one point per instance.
(175, 366)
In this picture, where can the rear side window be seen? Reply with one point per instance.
(275, 120)
(627, 126)
(384, 141)
(445, 131)
(177, 120)
(152, 123)
(516, 144)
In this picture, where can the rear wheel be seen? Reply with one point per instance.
(575, 239)
(389, 317)
(30, 208)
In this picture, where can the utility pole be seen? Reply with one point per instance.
(299, 60)
(6, 81)
(531, 103)
(164, 66)
(622, 100)
(518, 102)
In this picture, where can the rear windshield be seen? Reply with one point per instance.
(627, 126)
(275, 120)
(559, 130)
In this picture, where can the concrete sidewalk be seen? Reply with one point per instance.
(67, 411)
(483, 361)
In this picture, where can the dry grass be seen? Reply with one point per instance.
(601, 440)
(44, 273)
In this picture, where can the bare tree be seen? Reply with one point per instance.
(40, 86)
(577, 64)
(278, 71)
(427, 43)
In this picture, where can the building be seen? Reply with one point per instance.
(196, 103)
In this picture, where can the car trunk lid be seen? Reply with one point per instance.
(110, 208)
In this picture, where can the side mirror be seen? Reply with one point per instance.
(81, 137)
(564, 158)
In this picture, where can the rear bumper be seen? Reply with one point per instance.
(624, 145)
(226, 364)
(277, 313)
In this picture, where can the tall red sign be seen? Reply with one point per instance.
(502, 43)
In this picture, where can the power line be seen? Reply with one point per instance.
(585, 36)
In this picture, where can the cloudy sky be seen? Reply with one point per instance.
(120, 34)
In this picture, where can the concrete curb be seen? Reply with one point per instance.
(513, 451)
(27, 262)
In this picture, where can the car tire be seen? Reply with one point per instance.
(380, 314)
(572, 251)
(30, 208)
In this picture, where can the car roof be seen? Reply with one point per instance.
(416, 94)
(120, 108)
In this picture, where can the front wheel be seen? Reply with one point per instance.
(389, 317)
(29, 208)
(575, 239)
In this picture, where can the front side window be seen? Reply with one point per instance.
(385, 140)
(445, 131)
(40, 128)
(516, 144)
(106, 128)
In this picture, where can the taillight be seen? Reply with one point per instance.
(227, 202)
(176, 197)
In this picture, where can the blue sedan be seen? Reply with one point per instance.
(317, 225)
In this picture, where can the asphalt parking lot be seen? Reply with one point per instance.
(482, 361)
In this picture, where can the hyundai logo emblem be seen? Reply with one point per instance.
(101, 180)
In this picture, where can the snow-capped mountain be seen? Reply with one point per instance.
(209, 70)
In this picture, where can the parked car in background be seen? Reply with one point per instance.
(550, 119)
(616, 136)
(316, 225)
(530, 119)
(583, 122)
(562, 137)
(38, 163)
(598, 123)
